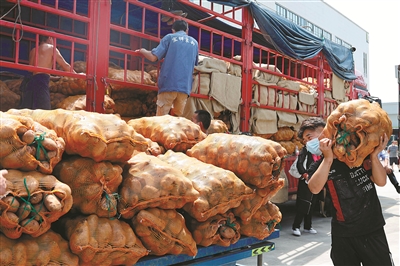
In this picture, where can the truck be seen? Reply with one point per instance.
(247, 76)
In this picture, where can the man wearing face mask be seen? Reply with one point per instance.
(309, 131)
(357, 232)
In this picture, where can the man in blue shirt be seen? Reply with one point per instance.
(180, 54)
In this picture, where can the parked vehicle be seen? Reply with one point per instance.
(247, 77)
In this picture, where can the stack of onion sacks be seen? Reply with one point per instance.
(255, 160)
(355, 128)
(33, 202)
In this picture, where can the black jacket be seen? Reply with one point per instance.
(304, 195)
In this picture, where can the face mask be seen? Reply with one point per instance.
(313, 146)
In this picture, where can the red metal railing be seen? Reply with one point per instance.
(99, 48)
(13, 61)
(227, 13)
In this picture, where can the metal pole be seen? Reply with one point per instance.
(260, 260)
(247, 59)
(98, 58)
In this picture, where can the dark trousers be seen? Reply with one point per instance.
(300, 216)
(305, 203)
(393, 160)
(35, 92)
(371, 249)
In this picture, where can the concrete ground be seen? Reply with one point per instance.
(309, 249)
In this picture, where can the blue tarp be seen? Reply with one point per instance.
(294, 41)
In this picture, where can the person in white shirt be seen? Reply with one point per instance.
(384, 158)
(393, 151)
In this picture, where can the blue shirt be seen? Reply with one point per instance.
(383, 155)
(180, 54)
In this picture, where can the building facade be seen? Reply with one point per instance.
(324, 21)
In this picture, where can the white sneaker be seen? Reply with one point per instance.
(311, 231)
(296, 232)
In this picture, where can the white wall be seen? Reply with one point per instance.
(326, 17)
(392, 109)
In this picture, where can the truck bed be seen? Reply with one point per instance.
(217, 255)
